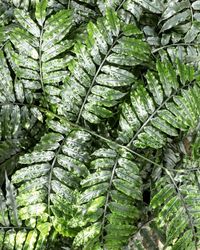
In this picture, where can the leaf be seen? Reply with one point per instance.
(175, 20)
(87, 234)
(27, 22)
(109, 191)
(196, 5)
(6, 81)
(11, 202)
(54, 32)
(32, 172)
(40, 12)
(192, 33)
(174, 8)
(154, 6)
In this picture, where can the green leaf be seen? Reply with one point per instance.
(11, 201)
(27, 23)
(86, 234)
(196, 5)
(175, 20)
(192, 33)
(32, 172)
(40, 156)
(99, 124)
(155, 6)
(54, 31)
(40, 12)
(174, 8)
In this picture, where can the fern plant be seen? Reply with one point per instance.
(99, 125)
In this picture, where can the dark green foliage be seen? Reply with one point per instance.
(99, 125)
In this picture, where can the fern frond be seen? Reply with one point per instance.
(39, 42)
(134, 8)
(83, 11)
(169, 25)
(13, 234)
(103, 66)
(178, 13)
(177, 204)
(176, 199)
(49, 176)
(27, 4)
(108, 202)
(20, 124)
(157, 110)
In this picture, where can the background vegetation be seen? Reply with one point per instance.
(99, 124)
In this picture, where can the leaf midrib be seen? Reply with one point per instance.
(107, 200)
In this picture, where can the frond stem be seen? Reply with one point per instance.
(40, 59)
(3, 44)
(50, 176)
(110, 141)
(15, 227)
(196, 179)
(146, 223)
(192, 14)
(107, 200)
(174, 45)
(69, 4)
(120, 5)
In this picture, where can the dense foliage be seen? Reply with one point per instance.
(99, 124)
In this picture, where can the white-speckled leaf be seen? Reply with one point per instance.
(27, 23)
(175, 20)
(34, 157)
(40, 12)
(31, 172)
